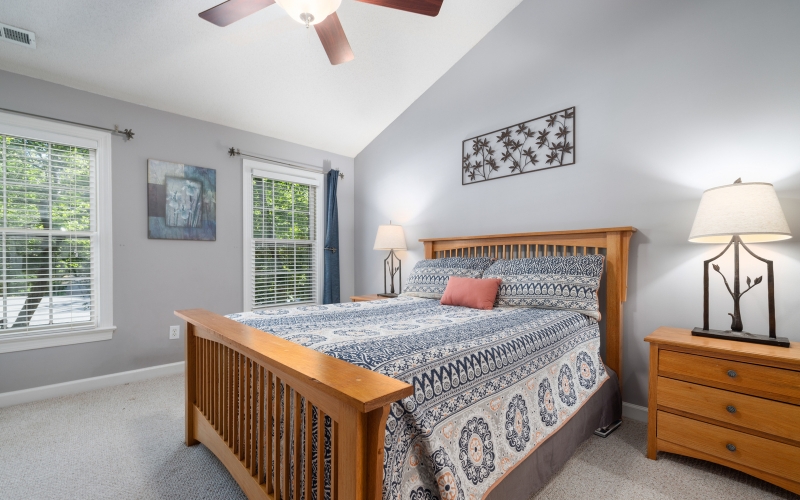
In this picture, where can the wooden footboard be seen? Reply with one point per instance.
(245, 387)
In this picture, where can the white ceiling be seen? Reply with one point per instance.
(265, 74)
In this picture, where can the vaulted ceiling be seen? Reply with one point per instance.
(265, 74)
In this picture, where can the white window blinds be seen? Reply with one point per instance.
(285, 242)
(49, 234)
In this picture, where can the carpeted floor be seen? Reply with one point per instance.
(127, 442)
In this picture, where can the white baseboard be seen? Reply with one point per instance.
(635, 412)
(629, 410)
(88, 384)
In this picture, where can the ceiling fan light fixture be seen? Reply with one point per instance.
(309, 12)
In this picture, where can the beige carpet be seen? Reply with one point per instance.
(127, 442)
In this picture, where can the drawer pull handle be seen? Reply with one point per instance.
(731, 409)
(731, 373)
(730, 447)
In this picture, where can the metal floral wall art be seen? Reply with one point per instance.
(544, 142)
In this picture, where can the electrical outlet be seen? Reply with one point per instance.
(175, 332)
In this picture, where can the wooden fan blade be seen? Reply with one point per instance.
(334, 40)
(424, 7)
(233, 10)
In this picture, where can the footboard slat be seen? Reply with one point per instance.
(248, 413)
(220, 366)
(261, 424)
(268, 433)
(240, 405)
(206, 380)
(253, 419)
(320, 454)
(231, 396)
(226, 368)
(279, 390)
(200, 375)
(285, 436)
(335, 460)
(307, 454)
(251, 398)
(296, 444)
(217, 387)
(212, 369)
(235, 404)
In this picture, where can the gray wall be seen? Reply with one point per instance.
(154, 277)
(672, 98)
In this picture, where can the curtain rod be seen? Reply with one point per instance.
(236, 152)
(127, 133)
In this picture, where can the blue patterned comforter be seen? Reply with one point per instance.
(488, 385)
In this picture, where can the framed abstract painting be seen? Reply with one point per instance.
(181, 202)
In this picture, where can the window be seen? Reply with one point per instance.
(284, 240)
(54, 234)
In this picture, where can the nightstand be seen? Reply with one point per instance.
(367, 298)
(732, 403)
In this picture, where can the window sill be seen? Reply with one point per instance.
(40, 341)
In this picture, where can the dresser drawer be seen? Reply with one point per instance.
(734, 375)
(764, 415)
(737, 447)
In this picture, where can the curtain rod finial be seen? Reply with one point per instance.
(128, 133)
(233, 152)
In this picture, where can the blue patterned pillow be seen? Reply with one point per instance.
(429, 277)
(550, 282)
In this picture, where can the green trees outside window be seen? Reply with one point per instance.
(47, 234)
(283, 238)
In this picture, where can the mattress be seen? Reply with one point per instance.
(490, 387)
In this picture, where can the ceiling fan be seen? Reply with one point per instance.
(318, 13)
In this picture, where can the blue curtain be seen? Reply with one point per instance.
(330, 294)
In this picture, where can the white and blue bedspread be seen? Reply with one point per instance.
(488, 385)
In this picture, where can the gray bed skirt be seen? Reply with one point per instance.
(531, 474)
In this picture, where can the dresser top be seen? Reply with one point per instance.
(683, 338)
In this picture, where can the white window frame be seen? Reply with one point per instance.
(288, 174)
(62, 133)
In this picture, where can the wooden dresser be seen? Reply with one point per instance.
(733, 403)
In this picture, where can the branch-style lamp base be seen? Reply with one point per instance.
(742, 337)
(390, 269)
(737, 332)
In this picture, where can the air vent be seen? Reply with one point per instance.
(18, 36)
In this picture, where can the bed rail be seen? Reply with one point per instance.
(236, 377)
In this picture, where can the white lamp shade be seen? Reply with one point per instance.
(750, 210)
(319, 9)
(390, 237)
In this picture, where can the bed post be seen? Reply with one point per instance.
(616, 292)
(428, 249)
(376, 433)
(190, 384)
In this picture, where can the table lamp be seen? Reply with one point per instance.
(739, 213)
(390, 237)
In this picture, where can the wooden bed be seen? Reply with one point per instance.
(229, 366)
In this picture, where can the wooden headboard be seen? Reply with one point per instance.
(611, 242)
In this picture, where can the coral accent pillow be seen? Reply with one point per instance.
(471, 292)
